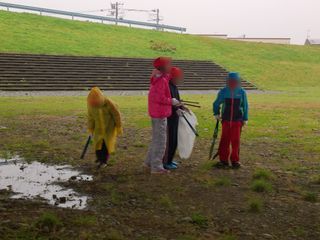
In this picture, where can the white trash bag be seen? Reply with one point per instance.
(186, 136)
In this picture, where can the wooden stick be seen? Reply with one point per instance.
(189, 102)
(192, 105)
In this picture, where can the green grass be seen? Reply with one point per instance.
(315, 179)
(49, 221)
(255, 205)
(310, 197)
(228, 237)
(199, 220)
(283, 130)
(269, 66)
(261, 186)
(166, 202)
(85, 221)
(222, 182)
(262, 174)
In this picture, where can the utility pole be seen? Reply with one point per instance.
(158, 18)
(308, 34)
(115, 11)
(155, 17)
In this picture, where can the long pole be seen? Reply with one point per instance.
(85, 148)
(158, 19)
(117, 12)
(192, 128)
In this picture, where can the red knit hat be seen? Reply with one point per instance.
(161, 62)
(176, 72)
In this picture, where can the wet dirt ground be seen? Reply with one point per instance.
(37, 180)
(194, 202)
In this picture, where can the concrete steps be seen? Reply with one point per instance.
(27, 72)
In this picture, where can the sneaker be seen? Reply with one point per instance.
(222, 165)
(160, 171)
(175, 163)
(236, 165)
(102, 165)
(170, 166)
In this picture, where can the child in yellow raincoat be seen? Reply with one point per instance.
(104, 123)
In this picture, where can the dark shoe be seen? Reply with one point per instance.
(222, 165)
(175, 163)
(102, 164)
(236, 165)
(170, 166)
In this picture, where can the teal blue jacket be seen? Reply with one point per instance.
(232, 105)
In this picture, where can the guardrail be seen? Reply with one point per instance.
(92, 17)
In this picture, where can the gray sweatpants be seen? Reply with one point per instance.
(158, 144)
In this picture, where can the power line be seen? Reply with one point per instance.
(118, 11)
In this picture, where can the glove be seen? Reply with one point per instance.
(156, 73)
(175, 102)
(217, 117)
(180, 112)
(244, 123)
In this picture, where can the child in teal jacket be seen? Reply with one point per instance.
(231, 107)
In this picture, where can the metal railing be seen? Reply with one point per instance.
(92, 17)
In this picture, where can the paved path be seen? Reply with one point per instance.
(111, 93)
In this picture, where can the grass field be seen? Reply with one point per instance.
(269, 66)
(274, 196)
(195, 202)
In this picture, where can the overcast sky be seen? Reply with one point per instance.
(254, 18)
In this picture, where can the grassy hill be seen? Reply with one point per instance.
(271, 67)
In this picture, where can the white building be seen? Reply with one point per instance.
(246, 39)
(221, 36)
(263, 40)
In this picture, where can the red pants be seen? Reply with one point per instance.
(231, 132)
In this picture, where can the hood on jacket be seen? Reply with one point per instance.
(233, 80)
(161, 62)
(95, 97)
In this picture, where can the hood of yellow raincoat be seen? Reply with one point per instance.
(95, 95)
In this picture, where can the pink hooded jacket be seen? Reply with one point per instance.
(159, 98)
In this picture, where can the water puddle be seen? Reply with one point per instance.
(37, 180)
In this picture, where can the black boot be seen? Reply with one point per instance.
(222, 165)
(236, 165)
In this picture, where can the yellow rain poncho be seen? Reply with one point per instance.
(104, 120)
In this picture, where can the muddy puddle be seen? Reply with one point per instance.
(36, 180)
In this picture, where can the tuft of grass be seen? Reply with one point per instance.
(86, 221)
(50, 221)
(222, 182)
(261, 185)
(199, 220)
(186, 237)
(107, 186)
(310, 197)
(315, 179)
(166, 202)
(114, 234)
(115, 197)
(263, 174)
(255, 205)
(228, 237)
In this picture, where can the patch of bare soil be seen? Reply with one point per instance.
(194, 202)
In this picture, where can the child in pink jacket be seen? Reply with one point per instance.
(160, 107)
